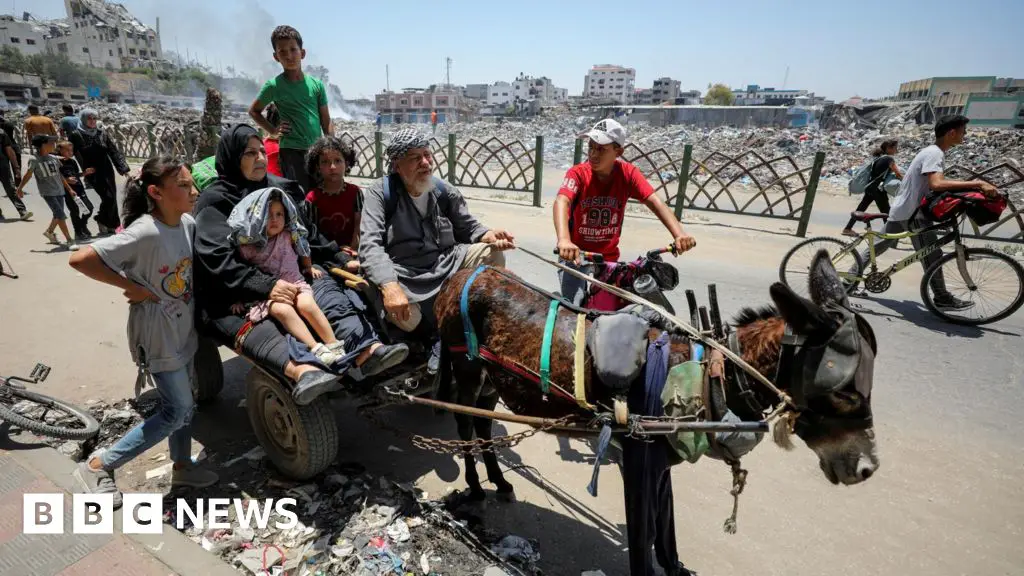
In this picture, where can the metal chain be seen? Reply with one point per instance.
(460, 447)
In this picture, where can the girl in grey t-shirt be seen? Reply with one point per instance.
(151, 260)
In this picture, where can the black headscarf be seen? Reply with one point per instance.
(228, 160)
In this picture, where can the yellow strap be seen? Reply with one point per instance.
(579, 364)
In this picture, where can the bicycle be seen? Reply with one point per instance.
(40, 413)
(967, 263)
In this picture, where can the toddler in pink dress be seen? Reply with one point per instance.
(267, 232)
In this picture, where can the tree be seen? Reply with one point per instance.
(719, 95)
(12, 60)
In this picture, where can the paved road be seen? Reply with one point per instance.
(947, 499)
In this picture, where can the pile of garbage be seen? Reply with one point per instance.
(349, 521)
(845, 149)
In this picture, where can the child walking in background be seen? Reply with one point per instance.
(265, 227)
(151, 261)
(79, 206)
(46, 168)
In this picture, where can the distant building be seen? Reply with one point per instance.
(688, 98)
(610, 81)
(413, 105)
(94, 33)
(643, 96)
(665, 90)
(755, 95)
(499, 94)
(540, 89)
(986, 100)
(477, 91)
(27, 35)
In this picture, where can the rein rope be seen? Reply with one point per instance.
(687, 328)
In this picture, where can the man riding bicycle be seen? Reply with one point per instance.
(924, 175)
(591, 205)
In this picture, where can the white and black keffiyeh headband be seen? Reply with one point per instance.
(401, 142)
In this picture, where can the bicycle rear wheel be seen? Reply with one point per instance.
(795, 268)
(69, 422)
(998, 286)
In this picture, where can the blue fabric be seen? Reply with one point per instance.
(645, 401)
(654, 377)
(472, 347)
(172, 419)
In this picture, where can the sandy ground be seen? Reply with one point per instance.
(948, 498)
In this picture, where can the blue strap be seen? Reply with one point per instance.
(545, 347)
(655, 375)
(472, 348)
(602, 444)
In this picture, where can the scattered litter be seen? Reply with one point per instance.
(254, 455)
(159, 471)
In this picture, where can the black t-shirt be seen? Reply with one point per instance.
(878, 172)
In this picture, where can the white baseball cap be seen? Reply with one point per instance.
(607, 131)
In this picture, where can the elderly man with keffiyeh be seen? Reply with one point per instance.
(416, 231)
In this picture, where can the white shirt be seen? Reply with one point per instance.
(914, 186)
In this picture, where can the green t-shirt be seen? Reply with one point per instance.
(299, 105)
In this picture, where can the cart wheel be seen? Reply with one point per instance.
(301, 441)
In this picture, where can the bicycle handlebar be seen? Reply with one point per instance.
(599, 258)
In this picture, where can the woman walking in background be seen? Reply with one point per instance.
(99, 157)
(885, 162)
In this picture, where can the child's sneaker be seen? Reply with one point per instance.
(51, 237)
(193, 476)
(97, 481)
(338, 347)
(72, 247)
(325, 355)
(26, 215)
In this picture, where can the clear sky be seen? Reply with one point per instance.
(836, 49)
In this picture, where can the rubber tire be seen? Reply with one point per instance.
(315, 428)
(828, 240)
(926, 294)
(209, 372)
(92, 427)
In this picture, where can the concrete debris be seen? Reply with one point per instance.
(388, 529)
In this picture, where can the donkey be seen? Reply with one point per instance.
(817, 351)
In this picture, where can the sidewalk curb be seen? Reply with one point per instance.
(172, 548)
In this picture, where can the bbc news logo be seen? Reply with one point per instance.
(143, 513)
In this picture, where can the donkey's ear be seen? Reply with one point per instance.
(823, 282)
(802, 315)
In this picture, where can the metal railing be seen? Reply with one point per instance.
(747, 184)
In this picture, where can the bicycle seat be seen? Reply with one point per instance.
(867, 216)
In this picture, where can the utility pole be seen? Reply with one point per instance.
(786, 78)
(387, 78)
(448, 72)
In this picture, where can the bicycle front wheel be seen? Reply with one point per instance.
(995, 288)
(795, 269)
(47, 416)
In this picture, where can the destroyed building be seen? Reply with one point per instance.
(94, 33)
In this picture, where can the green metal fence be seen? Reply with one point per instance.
(747, 184)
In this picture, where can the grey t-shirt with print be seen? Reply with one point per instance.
(46, 171)
(914, 186)
(158, 257)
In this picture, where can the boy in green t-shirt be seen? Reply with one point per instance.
(301, 101)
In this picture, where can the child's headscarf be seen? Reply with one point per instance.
(248, 220)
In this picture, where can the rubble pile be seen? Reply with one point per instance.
(350, 521)
(845, 149)
(847, 136)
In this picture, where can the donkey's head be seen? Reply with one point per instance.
(826, 364)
